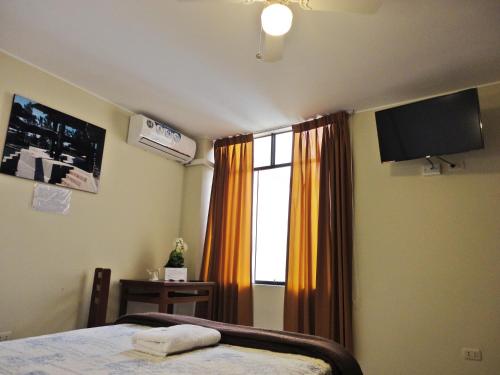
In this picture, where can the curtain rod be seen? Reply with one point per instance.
(284, 129)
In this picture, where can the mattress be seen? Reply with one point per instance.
(108, 350)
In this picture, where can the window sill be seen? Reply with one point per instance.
(268, 283)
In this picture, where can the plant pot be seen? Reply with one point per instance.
(176, 274)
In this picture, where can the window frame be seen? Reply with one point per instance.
(272, 165)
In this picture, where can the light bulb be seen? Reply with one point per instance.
(276, 19)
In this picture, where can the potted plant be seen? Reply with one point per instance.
(174, 269)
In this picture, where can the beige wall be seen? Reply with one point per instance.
(47, 260)
(195, 203)
(268, 302)
(427, 257)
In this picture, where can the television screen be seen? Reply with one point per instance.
(444, 125)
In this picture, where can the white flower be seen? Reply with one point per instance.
(180, 245)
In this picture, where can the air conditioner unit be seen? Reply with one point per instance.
(160, 138)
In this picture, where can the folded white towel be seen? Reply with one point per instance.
(163, 341)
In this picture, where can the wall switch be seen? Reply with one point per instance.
(4, 336)
(432, 170)
(471, 354)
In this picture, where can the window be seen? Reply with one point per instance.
(272, 168)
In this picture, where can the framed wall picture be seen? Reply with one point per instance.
(43, 144)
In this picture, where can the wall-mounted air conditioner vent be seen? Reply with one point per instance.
(160, 138)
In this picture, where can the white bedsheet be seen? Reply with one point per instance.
(108, 350)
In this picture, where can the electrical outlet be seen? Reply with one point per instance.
(432, 170)
(471, 354)
(4, 336)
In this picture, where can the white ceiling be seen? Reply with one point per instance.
(193, 63)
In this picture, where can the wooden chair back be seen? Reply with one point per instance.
(99, 299)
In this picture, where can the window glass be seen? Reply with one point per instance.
(262, 152)
(271, 192)
(283, 153)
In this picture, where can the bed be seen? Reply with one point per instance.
(108, 350)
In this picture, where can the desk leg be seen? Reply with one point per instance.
(162, 307)
(123, 300)
(210, 303)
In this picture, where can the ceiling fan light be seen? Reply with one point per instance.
(276, 19)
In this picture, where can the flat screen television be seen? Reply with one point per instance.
(443, 125)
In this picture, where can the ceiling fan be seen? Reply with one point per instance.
(277, 16)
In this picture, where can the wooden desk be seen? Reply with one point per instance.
(166, 293)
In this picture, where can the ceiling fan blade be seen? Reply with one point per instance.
(271, 48)
(353, 6)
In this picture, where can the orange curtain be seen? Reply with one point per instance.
(318, 289)
(227, 256)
